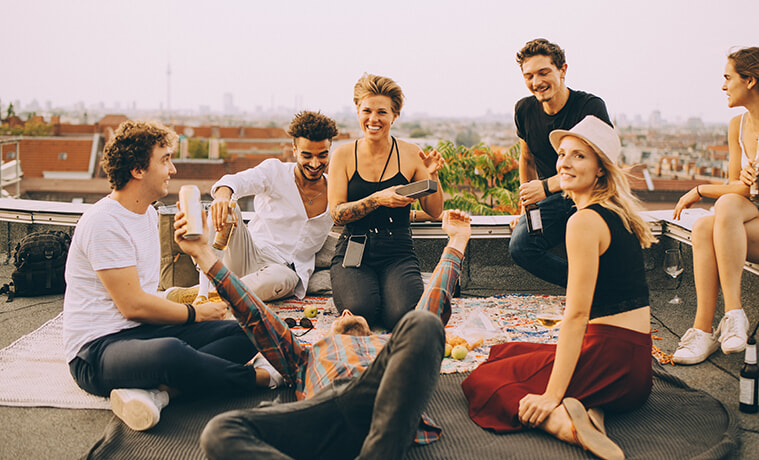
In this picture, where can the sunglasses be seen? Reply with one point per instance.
(304, 323)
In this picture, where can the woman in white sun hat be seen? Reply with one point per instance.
(603, 356)
(722, 242)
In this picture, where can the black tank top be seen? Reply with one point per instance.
(382, 218)
(621, 283)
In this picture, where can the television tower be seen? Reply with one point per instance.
(168, 93)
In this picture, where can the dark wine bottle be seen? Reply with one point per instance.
(749, 380)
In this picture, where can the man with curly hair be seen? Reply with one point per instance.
(121, 339)
(275, 258)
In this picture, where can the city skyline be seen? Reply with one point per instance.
(451, 59)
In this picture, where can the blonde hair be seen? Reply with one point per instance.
(374, 85)
(612, 191)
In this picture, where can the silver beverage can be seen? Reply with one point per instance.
(189, 202)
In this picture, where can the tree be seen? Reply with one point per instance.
(467, 138)
(197, 148)
(30, 128)
(480, 180)
(418, 133)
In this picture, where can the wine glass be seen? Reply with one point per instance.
(673, 265)
(549, 316)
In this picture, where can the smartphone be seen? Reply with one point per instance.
(355, 251)
(418, 189)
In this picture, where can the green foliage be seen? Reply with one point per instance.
(480, 180)
(30, 128)
(198, 148)
(417, 133)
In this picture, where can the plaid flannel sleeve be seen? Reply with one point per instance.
(437, 297)
(268, 332)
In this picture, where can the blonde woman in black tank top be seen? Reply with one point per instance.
(603, 355)
(363, 177)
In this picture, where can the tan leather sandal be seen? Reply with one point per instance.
(596, 415)
(587, 435)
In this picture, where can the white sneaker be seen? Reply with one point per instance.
(695, 346)
(734, 331)
(275, 378)
(139, 409)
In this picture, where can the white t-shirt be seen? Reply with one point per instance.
(107, 236)
(280, 226)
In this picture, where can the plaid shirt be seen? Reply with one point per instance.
(335, 356)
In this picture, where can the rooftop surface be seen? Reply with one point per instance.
(50, 433)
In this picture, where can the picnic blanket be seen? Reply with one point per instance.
(494, 320)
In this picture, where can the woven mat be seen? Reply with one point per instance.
(677, 422)
(34, 373)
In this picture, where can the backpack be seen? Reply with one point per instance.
(40, 263)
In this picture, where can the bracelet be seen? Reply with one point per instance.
(190, 313)
(545, 187)
(699, 192)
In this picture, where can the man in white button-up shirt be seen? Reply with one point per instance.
(275, 257)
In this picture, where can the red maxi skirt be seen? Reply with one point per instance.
(613, 372)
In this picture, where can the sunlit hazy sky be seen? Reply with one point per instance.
(452, 58)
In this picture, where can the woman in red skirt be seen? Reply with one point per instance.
(603, 356)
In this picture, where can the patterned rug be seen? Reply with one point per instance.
(495, 320)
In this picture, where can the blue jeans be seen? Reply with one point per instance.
(532, 252)
(194, 358)
(386, 286)
(374, 415)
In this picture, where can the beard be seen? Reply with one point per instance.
(303, 172)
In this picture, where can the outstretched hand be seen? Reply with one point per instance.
(457, 225)
(432, 160)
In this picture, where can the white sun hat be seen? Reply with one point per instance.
(597, 133)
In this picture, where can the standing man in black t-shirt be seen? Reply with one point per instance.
(552, 106)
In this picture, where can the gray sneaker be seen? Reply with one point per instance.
(695, 346)
(139, 409)
(734, 331)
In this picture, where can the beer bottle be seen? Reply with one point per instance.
(222, 236)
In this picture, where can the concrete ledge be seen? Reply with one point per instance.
(488, 267)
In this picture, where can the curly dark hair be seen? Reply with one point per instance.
(131, 148)
(542, 47)
(313, 126)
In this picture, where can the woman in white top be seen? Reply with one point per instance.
(722, 242)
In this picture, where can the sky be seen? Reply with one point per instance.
(451, 58)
